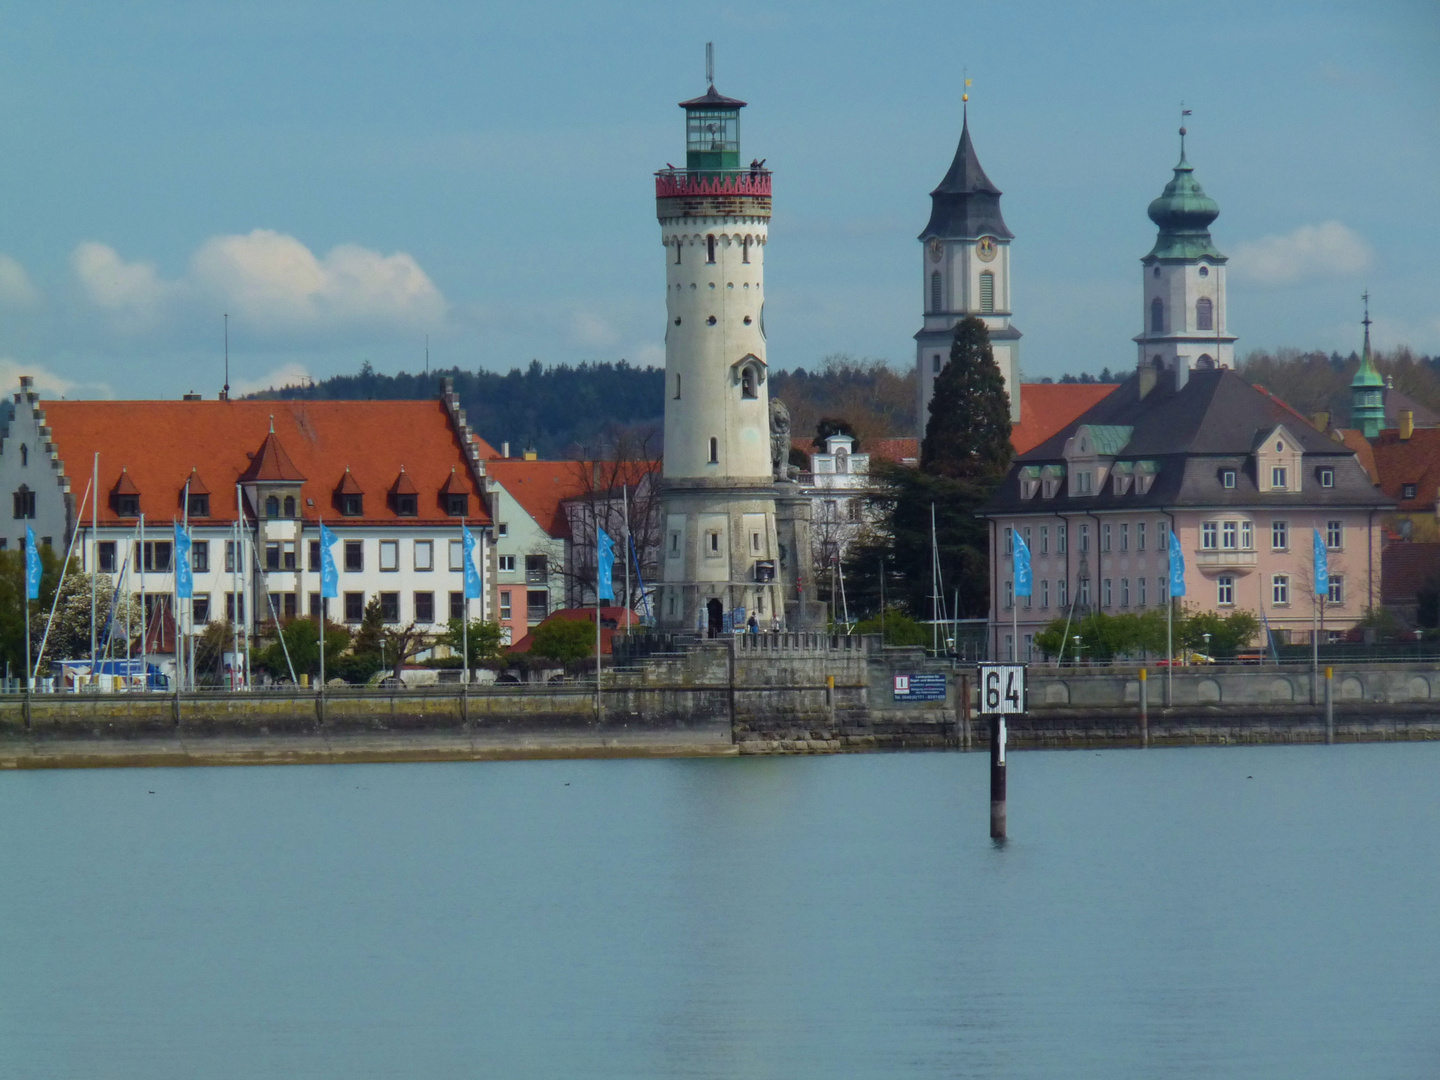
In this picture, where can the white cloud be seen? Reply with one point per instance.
(1328, 250)
(589, 329)
(271, 281)
(16, 291)
(48, 383)
(285, 375)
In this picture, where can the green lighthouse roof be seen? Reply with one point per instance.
(1183, 214)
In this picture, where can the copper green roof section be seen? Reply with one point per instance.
(1109, 439)
(1183, 214)
(1367, 389)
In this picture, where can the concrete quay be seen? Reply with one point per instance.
(768, 694)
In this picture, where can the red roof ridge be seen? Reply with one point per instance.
(403, 484)
(125, 486)
(348, 484)
(454, 485)
(194, 484)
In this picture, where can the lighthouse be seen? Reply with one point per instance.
(736, 538)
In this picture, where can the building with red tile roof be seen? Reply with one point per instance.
(394, 480)
(1045, 408)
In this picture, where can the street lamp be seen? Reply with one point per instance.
(1207, 645)
(1078, 647)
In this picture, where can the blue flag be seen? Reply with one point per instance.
(184, 579)
(32, 565)
(1322, 566)
(1023, 579)
(329, 575)
(1177, 566)
(605, 565)
(474, 587)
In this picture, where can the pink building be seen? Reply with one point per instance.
(1185, 445)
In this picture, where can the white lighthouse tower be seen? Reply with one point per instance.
(725, 546)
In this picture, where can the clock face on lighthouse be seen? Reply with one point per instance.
(985, 248)
(936, 248)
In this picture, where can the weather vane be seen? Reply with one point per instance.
(1365, 296)
(710, 63)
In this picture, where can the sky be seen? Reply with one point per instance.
(343, 180)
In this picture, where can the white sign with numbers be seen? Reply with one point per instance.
(1002, 689)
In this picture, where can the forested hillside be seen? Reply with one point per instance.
(564, 411)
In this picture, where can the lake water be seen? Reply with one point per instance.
(1268, 912)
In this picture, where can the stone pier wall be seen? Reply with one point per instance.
(806, 694)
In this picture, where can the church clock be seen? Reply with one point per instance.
(936, 249)
(985, 248)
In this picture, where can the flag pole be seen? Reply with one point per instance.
(464, 614)
(144, 612)
(625, 505)
(95, 564)
(320, 520)
(599, 707)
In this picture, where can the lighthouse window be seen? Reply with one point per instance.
(987, 292)
(745, 250)
(710, 248)
(935, 291)
(24, 455)
(935, 364)
(1204, 314)
(714, 450)
(677, 387)
(1157, 316)
(677, 252)
(710, 321)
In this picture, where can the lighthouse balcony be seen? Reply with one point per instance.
(688, 183)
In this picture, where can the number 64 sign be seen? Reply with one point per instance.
(1002, 689)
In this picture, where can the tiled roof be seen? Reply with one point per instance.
(540, 487)
(1194, 435)
(1415, 460)
(1357, 442)
(158, 443)
(1404, 567)
(271, 464)
(1045, 408)
(895, 450)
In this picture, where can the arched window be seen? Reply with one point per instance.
(24, 455)
(710, 248)
(714, 450)
(1204, 314)
(745, 250)
(935, 291)
(1157, 316)
(272, 507)
(677, 386)
(747, 381)
(1205, 363)
(289, 506)
(987, 292)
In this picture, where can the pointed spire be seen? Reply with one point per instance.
(966, 204)
(1368, 374)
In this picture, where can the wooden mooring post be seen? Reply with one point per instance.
(1144, 709)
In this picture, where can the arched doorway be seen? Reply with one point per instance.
(716, 611)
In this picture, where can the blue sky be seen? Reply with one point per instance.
(344, 178)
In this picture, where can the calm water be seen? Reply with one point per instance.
(1179, 913)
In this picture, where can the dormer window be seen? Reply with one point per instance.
(127, 505)
(1327, 478)
(290, 506)
(1279, 476)
(349, 499)
(1408, 491)
(406, 505)
(1227, 479)
(272, 506)
(198, 506)
(352, 505)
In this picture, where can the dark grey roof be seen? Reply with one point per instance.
(1192, 435)
(966, 205)
(712, 100)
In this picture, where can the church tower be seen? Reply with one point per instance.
(725, 548)
(1183, 287)
(965, 260)
(1367, 389)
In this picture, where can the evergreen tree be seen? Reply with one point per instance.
(968, 434)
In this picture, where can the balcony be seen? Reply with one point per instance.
(1225, 559)
(691, 183)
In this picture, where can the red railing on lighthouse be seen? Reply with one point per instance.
(678, 183)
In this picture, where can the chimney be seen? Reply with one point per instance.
(505, 449)
(192, 396)
(1407, 423)
(531, 455)
(1148, 375)
(1321, 420)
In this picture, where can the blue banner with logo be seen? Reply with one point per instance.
(1022, 565)
(32, 565)
(1322, 566)
(329, 575)
(474, 587)
(605, 565)
(1177, 566)
(184, 578)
